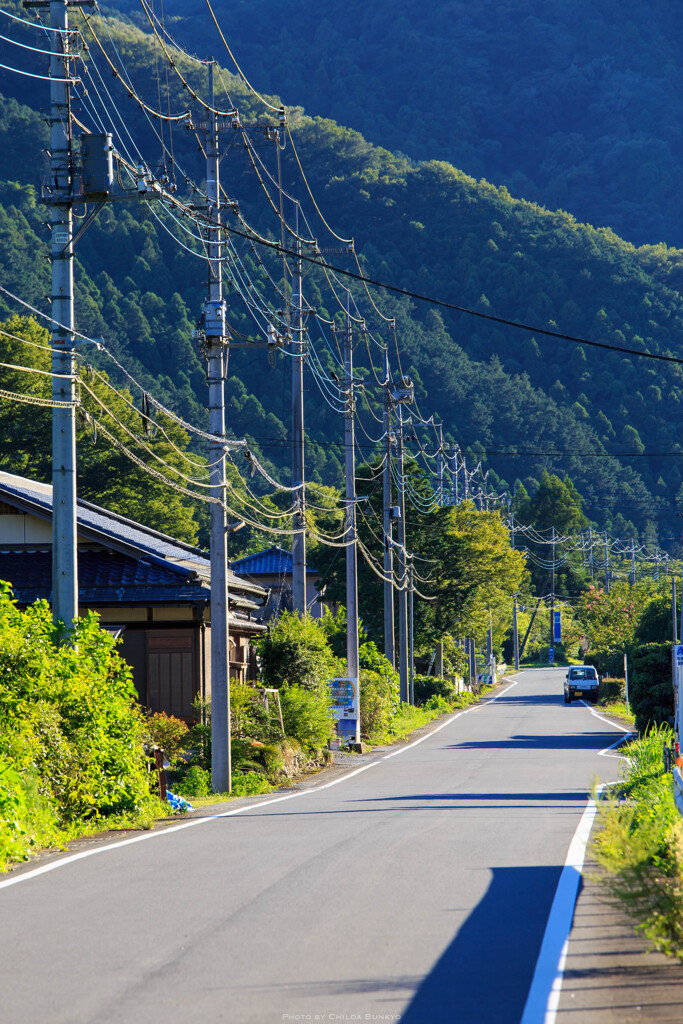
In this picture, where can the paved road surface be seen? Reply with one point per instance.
(417, 888)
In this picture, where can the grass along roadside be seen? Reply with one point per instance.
(640, 844)
(618, 709)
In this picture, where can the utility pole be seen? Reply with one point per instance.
(298, 479)
(59, 197)
(552, 596)
(352, 668)
(515, 633)
(454, 478)
(411, 636)
(388, 526)
(590, 550)
(217, 339)
(606, 564)
(439, 469)
(633, 562)
(402, 568)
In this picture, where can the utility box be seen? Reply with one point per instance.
(97, 158)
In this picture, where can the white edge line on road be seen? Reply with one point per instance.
(63, 861)
(544, 994)
(615, 725)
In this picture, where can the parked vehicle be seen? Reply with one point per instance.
(581, 681)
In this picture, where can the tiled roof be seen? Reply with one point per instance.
(103, 576)
(273, 562)
(99, 524)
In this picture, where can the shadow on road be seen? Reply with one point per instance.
(579, 795)
(569, 741)
(484, 976)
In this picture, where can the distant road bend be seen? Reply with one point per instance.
(417, 888)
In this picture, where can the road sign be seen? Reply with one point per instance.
(551, 654)
(679, 654)
(557, 627)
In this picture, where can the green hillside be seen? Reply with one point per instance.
(520, 403)
(572, 105)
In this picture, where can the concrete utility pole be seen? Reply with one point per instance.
(352, 667)
(298, 479)
(59, 197)
(455, 500)
(411, 634)
(633, 562)
(606, 564)
(552, 596)
(439, 469)
(217, 339)
(402, 567)
(515, 633)
(388, 525)
(590, 550)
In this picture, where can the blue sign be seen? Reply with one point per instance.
(551, 654)
(557, 627)
(679, 654)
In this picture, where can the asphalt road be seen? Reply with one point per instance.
(417, 888)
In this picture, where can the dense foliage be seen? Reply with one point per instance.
(641, 842)
(71, 733)
(566, 105)
(425, 226)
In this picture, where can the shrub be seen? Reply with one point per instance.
(427, 687)
(651, 691)
(295, 653)
(195, 782)
(438, 703)
(70, 727)
(612, 690)
(170, 733)
(379, 700)
(307, 716)
(249, 784)
(641, 845)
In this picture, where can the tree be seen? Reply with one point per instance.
(295, 652)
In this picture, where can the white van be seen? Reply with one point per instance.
(581, 681)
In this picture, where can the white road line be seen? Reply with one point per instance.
(546, 986)
(615, 725)
(53, 865)
(544, 994)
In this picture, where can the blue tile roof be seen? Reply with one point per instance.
(103, 577)
(274, 561)
(102, 525)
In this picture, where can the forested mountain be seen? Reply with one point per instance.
(520, 402)
(575, 106)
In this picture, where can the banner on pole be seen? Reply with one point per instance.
(557, 627)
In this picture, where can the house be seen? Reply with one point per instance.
(272, 570)
(152, 591)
